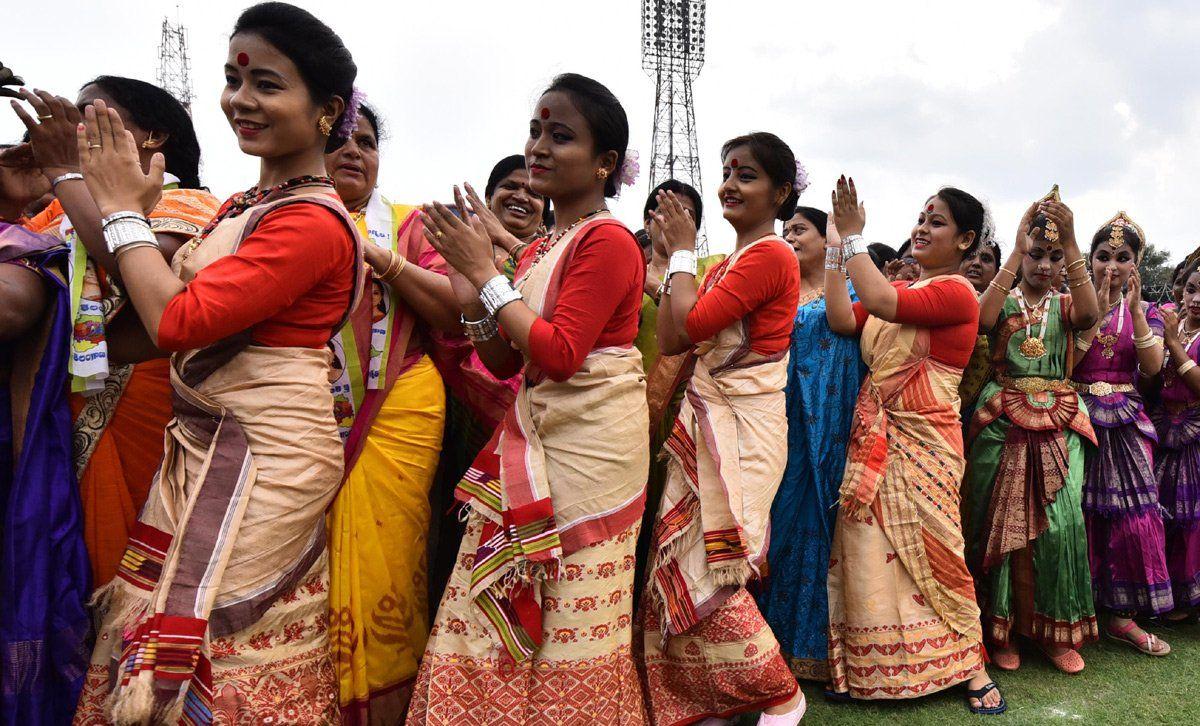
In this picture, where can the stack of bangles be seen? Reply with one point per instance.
(1073, 280)
(833, 259)
(681, 261)
(852, 245)
(124, 231)
(495, 294)
(395, 266)
(1000, 288)
(517, 250)
(1185, 366)
(1149, 340)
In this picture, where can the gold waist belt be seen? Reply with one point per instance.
(1103, 388)
(1034, 384)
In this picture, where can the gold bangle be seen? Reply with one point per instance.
(1185, 366)
(1149, 340)
(517, 250)
(1078, 282)
(400, 262)
(1005, 269)
(391, 265)
(1071, 267)
(994, 284)
(1084, 345)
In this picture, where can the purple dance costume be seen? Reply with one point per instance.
(1126, 545)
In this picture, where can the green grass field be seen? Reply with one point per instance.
(1119, 686)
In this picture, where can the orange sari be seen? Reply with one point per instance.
(903, 621)
(118, 432)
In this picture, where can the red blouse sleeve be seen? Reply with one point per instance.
(941, 302)
(291, 250)
(757, 277)
(605, 268)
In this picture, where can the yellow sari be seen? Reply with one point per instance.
(379, 523)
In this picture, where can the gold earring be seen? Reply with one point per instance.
(146, 144)
(602, 173)
(325, 125)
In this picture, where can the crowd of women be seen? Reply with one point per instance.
(308, 456)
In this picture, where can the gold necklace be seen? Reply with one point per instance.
(1033, 347)
(1108, 340)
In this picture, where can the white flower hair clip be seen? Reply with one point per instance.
(801, 182)
(630, 168)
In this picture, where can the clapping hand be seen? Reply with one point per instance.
(849, 214)
(675, 223)
(1133, 294)
(52, 134)
(462, 241)
(496, 232)
(111, 165)
(1170, 320)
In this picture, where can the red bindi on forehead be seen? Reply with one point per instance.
(243, 59)
(929, 208)
(733, 163)
(545, 113)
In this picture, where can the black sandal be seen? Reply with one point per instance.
(837, 696)
(982, 710)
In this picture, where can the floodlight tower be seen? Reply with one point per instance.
(672, 54)
(174, 65)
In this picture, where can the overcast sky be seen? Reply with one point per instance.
(1002, 99)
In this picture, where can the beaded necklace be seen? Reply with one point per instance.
(547, 243)
(242, 201)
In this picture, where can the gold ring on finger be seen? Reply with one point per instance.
(45, 117)
(95, 146)
(439, 234)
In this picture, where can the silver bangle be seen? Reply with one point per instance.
(833, 259)
(682, 261)
(478, 331)
(126, 231)
(496, 293)
(853, 245)
(117, 216)
(70, 175)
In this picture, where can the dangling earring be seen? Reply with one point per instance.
(325, 125)
(146, 144)
(602, 173)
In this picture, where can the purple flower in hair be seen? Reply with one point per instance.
(801, 182)
(349, 120)
(628, 173)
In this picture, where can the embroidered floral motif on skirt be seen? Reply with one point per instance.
(885, 639)
(583, 673)
(278, 670)
(728, 663)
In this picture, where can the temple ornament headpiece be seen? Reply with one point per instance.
(1051, 235)
(1116, 233)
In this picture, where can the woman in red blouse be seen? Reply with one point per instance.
(229, 549)
(542, 593)
(903, 621)
(708, 650)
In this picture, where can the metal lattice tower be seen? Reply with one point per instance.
(672, 54)
(174, 65)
